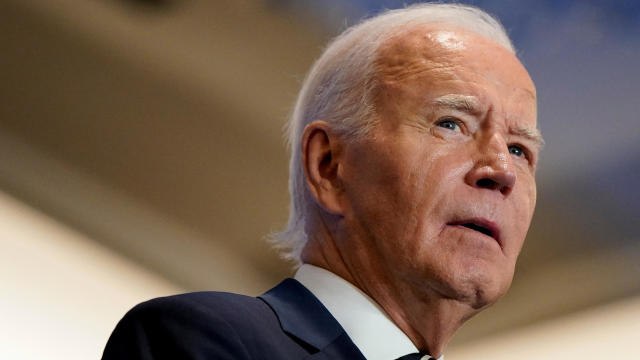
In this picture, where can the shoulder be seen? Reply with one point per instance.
(193, 325)
(201, 309)
(207, 304)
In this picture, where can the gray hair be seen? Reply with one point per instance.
(339, 90)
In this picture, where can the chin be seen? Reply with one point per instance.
(483, 298)
(480, 289)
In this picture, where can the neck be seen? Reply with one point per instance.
(426, 317)
(429, 320)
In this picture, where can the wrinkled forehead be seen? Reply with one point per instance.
(446, 57)
(439, 46)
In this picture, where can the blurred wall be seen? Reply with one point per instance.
(62, 291)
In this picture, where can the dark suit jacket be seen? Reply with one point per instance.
(287, 322)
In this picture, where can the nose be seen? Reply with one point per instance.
(493, 166)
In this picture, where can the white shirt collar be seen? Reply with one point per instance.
(368, 326)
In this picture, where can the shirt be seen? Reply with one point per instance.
(364, 321)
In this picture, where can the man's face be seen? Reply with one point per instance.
(440, 194)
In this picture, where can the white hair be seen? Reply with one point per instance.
(339, 90)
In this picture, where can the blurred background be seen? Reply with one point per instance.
(141, 155)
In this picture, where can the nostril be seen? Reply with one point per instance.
(487, 184)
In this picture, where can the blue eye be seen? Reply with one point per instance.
(516, 150)
(449, 124)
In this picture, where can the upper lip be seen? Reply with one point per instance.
(481, 225)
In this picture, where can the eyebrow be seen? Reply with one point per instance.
(531, 134)
(470, 104)
(466, 103)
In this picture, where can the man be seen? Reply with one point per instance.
(414, 149)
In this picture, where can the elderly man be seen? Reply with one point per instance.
(414, 149)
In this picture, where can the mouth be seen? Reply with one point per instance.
(482, 226)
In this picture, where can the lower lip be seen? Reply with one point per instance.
(477, 233)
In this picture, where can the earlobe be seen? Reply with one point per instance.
(321, 161)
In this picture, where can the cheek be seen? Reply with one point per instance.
(398, 192)
(528, 203)
(386, 186)
(423, 190)
(384, 197)
(523, 207)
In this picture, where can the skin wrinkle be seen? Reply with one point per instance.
(397, 66)
(470, 105)
(404, 184)
(400, 72)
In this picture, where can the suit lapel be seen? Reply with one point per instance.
(340, 348)
(303, 316)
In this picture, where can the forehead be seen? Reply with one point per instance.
(450, 58)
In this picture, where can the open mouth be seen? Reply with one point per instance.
(479, 228)
(482, 226)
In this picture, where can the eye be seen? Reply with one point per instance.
(516, 150)
(449, 123)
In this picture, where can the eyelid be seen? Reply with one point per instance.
(461, 124)
(526, 150)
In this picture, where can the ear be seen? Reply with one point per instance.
(321, 161)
